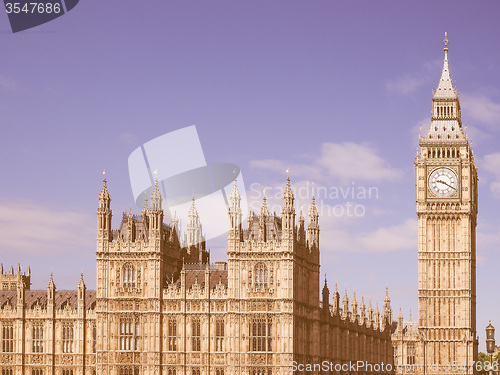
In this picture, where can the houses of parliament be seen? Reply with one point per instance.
(162, 308)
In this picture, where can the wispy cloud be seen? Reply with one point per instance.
(29, 228)
(410, 82)
(346, 161)
(491, 164)
(406, 84)
(399, 237)
(481, 108)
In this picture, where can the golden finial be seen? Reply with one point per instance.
(234, 173)
(446, 41)
(104, 174)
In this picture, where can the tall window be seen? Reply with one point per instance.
(67, 372)
(219, 372)
(260, 335)
(172, 334)
(410, 354)
(37, 371)
(67, 339)
(94, 339)
(172, 372)
(196, 335)
(8, 338)
(129, 334)
(219, 335)
(195, 371)
(7, 371)
(37, 340)
(260, 273)
(129, 276)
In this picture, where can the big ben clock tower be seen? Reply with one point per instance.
(446, 181)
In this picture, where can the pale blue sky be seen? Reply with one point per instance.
(318, 87)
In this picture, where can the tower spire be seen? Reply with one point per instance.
(104, 213)
(446, 125)
(446, 89)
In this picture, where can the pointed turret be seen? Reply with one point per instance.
(156, 199)
(20, 297)
(400, 320)
(155, 212)
(264, 213)
(130, 227)
(336, 300)
(194, 235)
(51, 290)
(301, 233)
(377, 317)
(313, 226)
(81, 295)
(326, 296)
(175, 234)
(445, 89)
(370, 321)
(446, 125)
(235, 213)
(288, 213)
(235, 234)
(362, 311)
(387, 311)
(345, 305)
(104, 213)
(354, 307)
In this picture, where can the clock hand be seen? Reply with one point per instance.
(446, 184)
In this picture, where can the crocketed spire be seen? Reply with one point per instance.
(445, 89)
(156, 198)
(446, 125)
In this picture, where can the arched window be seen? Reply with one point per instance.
(129, 334)
(37, 339)
(260, 273)
(260, 334)
(8, 338)
(172, 334)
(219, 335)
(196, 335)
(129, 276)
(67, 338)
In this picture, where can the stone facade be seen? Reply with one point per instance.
(162, 308)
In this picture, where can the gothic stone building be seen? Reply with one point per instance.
(162, 308)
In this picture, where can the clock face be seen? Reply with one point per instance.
(443, 182)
